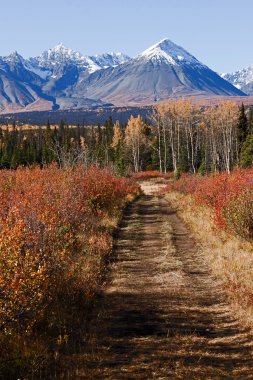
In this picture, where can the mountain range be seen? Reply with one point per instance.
(61, 78)
(242, 79)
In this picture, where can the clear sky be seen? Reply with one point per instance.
(217, 32)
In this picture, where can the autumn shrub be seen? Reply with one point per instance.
(54, 235)
(229, 195)
(150, 174)
(187, 183)
(238, 214)
(146, 175)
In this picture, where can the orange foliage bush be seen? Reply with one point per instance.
(229, 195)
(50, 224)
(151, 174)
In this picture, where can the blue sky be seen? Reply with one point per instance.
(218, 32)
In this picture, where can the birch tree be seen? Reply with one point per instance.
(135, 140)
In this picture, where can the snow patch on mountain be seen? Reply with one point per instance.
(14, 57)
(3, 66)
(61, 55)
(51, 62)
(41, 72)
(110, 59)
(167, 51)
(240, 78)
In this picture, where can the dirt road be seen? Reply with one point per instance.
(163, 315)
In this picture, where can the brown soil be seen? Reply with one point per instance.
(162, 315)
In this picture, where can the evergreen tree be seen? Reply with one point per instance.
(61, 133)
(242, 126)
(109, 129)
(67, 138)
(246, 158)
(47, 146)
(1, 146)
(6, 149)
(250, 119)
(78, 137)
(99, 134)
(183, 164)
(32, 148)
(39, 144)
(118, 149)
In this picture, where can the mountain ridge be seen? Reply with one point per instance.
(64, 78)
(162, 71)
(242, 79)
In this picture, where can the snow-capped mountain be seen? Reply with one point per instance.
(110, 59)
(167, 52)
(20, 86)
(13, 58)
(49, 78)
(59, 56)
(162, 71)
(242, 79)
(20, 68)
(63, 78)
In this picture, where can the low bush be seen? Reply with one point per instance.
(55, 233)
(151, 174)
(229, 195)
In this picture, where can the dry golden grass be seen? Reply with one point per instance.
(30, 127)
(230, 257)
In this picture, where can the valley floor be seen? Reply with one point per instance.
(162, 315)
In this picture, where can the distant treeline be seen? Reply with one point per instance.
(76, 117)
(63, 144)
(178, 136)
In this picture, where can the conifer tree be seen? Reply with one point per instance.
(246, 158)
(61, 133)
(1, 147)
(242, 126)
(109, 129)
(47, 146)
(250, 119)
(39, 144)
(78, 137)
(7, 149)
(118, 149)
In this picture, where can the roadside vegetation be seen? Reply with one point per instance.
(218, 209)
(229, 196)
(56, 229)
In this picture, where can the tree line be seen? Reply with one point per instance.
(193, 139)
(179, 137)
(63, 144)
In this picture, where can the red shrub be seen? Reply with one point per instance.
(150, 174)
(48, 219)
(229, 195)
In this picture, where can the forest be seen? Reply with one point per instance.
(179, 137)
